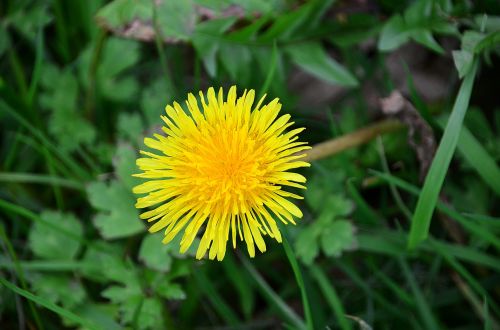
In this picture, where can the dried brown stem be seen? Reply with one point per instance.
(351, 140)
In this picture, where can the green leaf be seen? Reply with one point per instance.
(124, 164)
(340, 205)
(104, 261)
(470, 40)
(435, 177)
(57, 289)
(130, 127)
(475, 154)
(206, 41)
(237, 60)
(100, 314)
(320, 197)
(489, 41)
(176, 19)
(424, 37)
(150, 314)
(291, 24)
(154, 98)
(312, 58)
(30, 19)
(306, 245)
(143, 311)
(394, 34)
(338, 237)
(66, 123)
(47, 243)
(118, 217)
(170, 290)
(119, 13)
(154, 254)
(111, 80)
(334, 235)
(463, 60)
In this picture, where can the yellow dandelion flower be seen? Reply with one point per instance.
(222, 168)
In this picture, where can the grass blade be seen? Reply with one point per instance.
(223, 309)
(479, 159)
(270, 73)
(49, 305)
(273, 297)
(19, 272)
(300, 281)
(434, 180)
(69, 162)
(471, 226)
(471, 280)
(239, 280)
(422, 304)
(331, 296)
(41, 179)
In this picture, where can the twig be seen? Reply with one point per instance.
(356, 138)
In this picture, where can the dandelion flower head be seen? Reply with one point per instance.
(222, 168)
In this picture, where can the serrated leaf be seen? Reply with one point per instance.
(48, 243)
(154, 98)
(170, 291)
(338, 205)
(130, 127)
(150, 314)
(176, 19)
(31, 19)
(124, 164)
(154, 254)
(110, 80)
(100, 315)
(132, 303)
(312, 58)
(321, 187)
(337, 237)
(306, 245)
(119, 13)
(118, 217)
(66, 123)
(58, 289)
(104, 262)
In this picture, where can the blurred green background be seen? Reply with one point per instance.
(82, 83)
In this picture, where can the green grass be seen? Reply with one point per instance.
(428, 198)
(47, 304)
(375, 249)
